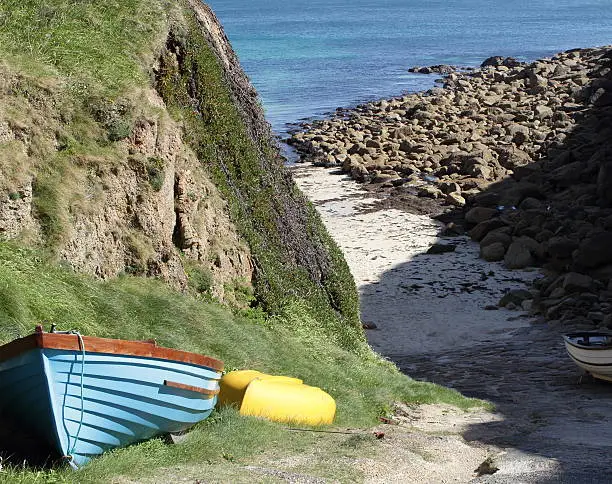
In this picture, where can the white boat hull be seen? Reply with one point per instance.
(592, 352)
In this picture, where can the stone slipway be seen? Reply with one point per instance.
(551, 425)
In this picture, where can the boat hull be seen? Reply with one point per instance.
(84, 404)
(591, 351)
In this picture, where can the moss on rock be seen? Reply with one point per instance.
(294, 257)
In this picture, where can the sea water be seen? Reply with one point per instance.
(307, 57)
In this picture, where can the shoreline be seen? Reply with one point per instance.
(513, 154)
(402, 289)
(513, 361)
(437, 315)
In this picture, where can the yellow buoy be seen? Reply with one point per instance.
(233, 384)
(288, 402)
(275, 397)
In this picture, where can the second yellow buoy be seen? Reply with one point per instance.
(277, 398)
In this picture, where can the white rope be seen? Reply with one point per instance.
(70, 456)
(82, 346)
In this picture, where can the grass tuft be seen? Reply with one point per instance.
(90, 43)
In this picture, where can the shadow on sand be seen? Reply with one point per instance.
(557, 423)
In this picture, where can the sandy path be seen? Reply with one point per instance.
(550, 425)
(420, 303)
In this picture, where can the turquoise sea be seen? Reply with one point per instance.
(307, 57)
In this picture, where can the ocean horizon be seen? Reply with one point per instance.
(306, 58)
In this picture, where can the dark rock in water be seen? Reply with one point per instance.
(437, 69)
(497, 61)
(441, 248)
(368, 325)
(516, 296)
(494, 61)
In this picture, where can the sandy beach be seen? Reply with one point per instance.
(420, 303)
(436, 318)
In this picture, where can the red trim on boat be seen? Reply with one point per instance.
(70, 342)
(191, 388)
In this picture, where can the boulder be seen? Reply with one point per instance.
(441, 248)
(536, 249)
(479, 170)
(516, 297)
(497, 236)
(575, 282)
(603, 273)
(455, 199)
(429, 191)
(483, 228)
(518, 256)
(542, 111)
(480, 214)
(604, 182)
(567, 175)
(497, 61)
(384, 177)
(601, 98)
(518, 132)
(519, 192)
(493, 252)
(561, 247)
(594, 252)
(530, 203)
(359, 172)
(512, 157)
(437, 69)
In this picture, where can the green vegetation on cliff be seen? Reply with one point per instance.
(295, 258)
(95, 55)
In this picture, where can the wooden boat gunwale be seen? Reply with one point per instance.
(70, 342)
(569, 338)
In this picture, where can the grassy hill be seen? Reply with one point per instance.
(80, 82)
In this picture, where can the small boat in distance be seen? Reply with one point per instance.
(85, 395)
(591, 351)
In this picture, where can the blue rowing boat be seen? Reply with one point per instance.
(86, 395)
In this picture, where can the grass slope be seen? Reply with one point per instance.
(94, 45)
(32, 292)
(86, 49)
(97, 55)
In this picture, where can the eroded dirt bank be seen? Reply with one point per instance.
(433, 318)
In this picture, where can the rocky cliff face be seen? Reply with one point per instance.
(141, 208)
(178, 178)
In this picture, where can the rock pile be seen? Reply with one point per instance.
(524, 152)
